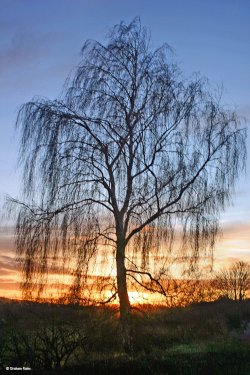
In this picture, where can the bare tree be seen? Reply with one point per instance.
(234, 282)
(130, 154)
(48, 347)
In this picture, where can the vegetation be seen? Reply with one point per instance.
(234, 282)
(128, 157)
(54, 339)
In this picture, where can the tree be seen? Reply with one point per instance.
(234, 282)
(130, 154)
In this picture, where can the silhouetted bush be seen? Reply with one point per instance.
(204, 339)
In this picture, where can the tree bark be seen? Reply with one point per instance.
(125, 308)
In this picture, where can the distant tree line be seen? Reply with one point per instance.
(233, 282)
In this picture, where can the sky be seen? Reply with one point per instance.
(40, 43)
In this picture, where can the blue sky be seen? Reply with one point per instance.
(40, 42)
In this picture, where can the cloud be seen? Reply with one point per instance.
(234, 245)
(8, 282)
(23, 49)
(237, 232)
(8, 263)
(7, 250)
(4, 272)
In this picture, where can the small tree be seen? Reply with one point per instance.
(234, 282)
(47, 347)
(131, 154)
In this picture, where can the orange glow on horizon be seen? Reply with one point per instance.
(233, 246)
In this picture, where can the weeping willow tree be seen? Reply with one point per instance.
(129, 155)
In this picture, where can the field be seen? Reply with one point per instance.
(207, 339)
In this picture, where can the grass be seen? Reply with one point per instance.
(199, 339)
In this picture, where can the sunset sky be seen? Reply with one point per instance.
(40, 44)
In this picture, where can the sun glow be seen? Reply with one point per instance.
(228, 250)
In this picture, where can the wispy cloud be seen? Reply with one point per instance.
(237, 231)
(24, 48)
(8, 263)
(234, 245)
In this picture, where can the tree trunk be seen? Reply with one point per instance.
(125, 308)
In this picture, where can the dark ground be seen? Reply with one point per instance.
(203, 339)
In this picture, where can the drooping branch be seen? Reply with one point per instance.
(132, 153)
